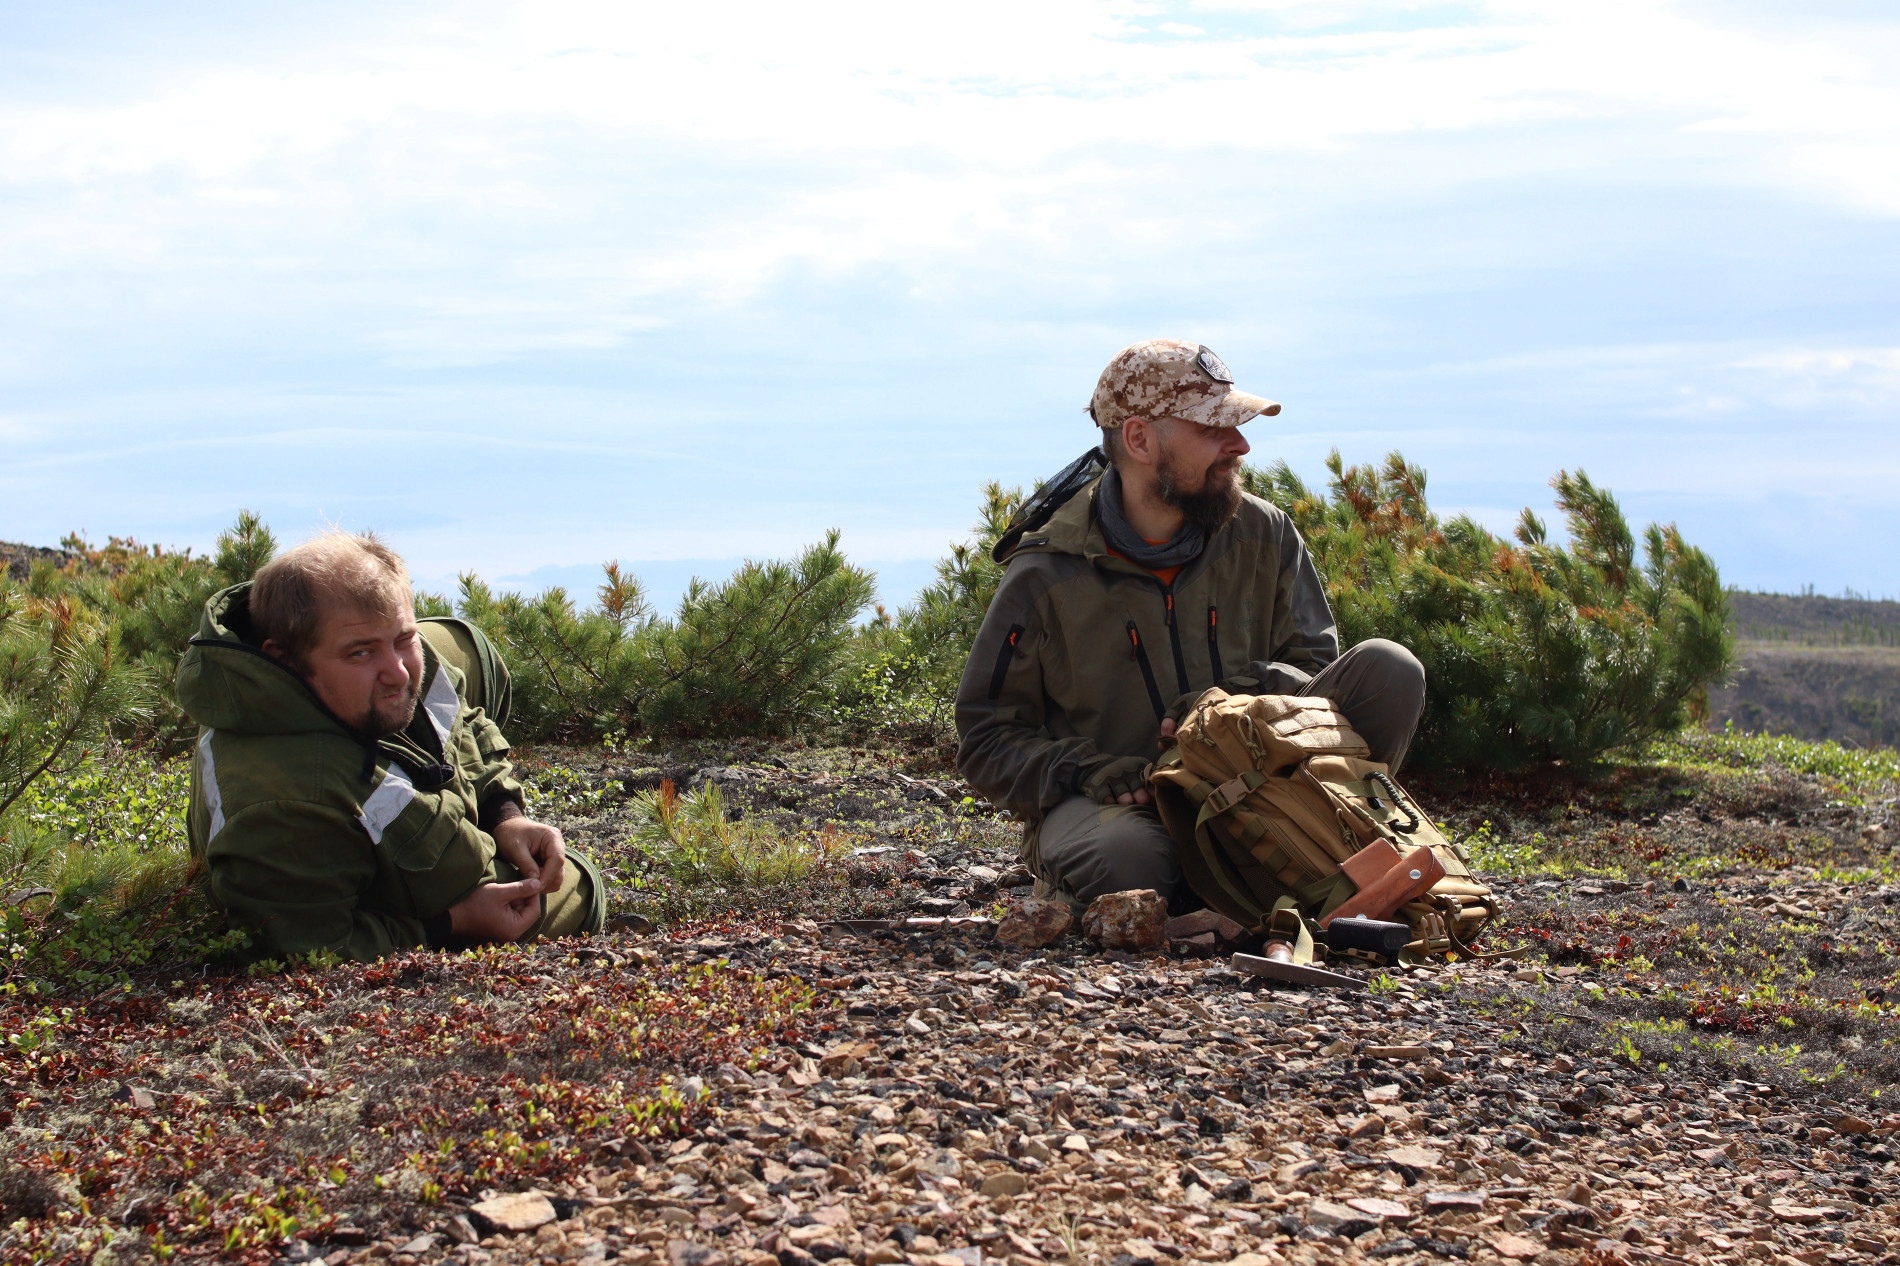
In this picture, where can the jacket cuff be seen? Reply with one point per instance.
(437, 929)
(499, 808)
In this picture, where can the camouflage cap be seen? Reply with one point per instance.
(1166, 378)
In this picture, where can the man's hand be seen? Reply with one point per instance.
(496, 912)
(1123, 780)
(1177, 713)
(534, 849)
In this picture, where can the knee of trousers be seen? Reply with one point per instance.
(1393, 666)
(1136, 853)
(1129, 849)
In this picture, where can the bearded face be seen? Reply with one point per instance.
(1208, 497)
(390, 711)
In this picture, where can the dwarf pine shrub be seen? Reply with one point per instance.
(149, 600)
(65, 680)
(758, 653)
(903, 676)
(1533, 651)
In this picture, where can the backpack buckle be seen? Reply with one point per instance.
(1228, 794)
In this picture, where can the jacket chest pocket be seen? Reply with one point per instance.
(437, 857)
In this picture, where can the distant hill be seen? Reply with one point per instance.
(18, 559)
(1814, 667)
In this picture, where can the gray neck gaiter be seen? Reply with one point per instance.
(1124, 540)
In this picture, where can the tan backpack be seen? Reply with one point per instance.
(1274, 806)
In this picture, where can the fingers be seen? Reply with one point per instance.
(510, 894)
(1168, 727)
(1143, 796)
(1126, 797)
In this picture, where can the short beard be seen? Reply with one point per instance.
(393, 721)
(1210, 509)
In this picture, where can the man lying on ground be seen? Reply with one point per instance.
(352, 790)
(1159, 579)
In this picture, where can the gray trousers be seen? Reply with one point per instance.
(1086, 849)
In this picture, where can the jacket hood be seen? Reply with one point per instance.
(226, 681)
(1072, 529)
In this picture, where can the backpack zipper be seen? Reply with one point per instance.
(1213, 643)
(1147, 671)
(1003, 656)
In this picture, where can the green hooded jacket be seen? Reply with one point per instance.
(1082, 652)
(313, 836)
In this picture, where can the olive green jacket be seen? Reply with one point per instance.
(315, 837)
(1082, 652)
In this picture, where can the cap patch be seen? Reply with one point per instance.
(1214, 367)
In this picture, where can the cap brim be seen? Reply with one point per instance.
(1236, 407)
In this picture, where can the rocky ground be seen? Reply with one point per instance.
(977, 1103)
(1693, 1062)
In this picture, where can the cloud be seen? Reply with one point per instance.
(1426, 222)
(625, 161)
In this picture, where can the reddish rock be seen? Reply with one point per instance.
(1132, 920)
(1032, 923)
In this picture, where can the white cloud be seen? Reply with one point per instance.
(861, 134)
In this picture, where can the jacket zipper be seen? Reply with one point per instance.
(1003, 656)
(1213, 642)
(1147, 671)
(1174, 642)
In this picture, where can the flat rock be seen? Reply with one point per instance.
(1447, 1201)
(1203, 922)
(1516, 1247)
(1340, 1219)
(1800, 1215)
(1033, 924)
(1007, 1183)
(687, 1253)
(514, 1213)
(1133, 920)
(1396, 1052)
(1381, 1208)
(1415, 1156)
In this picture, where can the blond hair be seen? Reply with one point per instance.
(356, 571)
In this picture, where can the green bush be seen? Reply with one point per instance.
(696, 856)
(150, 599)
(903, 676)
(757, 654)
(65, 680)
(1533, 651)
(99, 878)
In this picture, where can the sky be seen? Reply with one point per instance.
(526, 287)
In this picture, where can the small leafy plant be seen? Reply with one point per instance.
(695, 844)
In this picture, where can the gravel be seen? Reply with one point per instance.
(972, 1102)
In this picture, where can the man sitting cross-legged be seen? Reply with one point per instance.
(1160, 579)
(352, 790)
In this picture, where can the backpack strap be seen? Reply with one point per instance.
(1212, 802)
(1285, 923)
